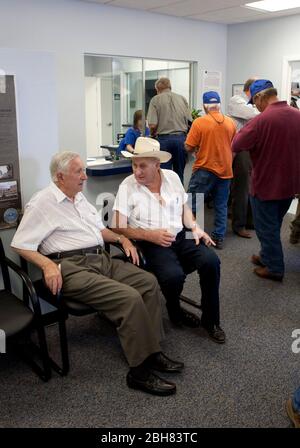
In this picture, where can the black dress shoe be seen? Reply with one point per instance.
(151, 383)
(161, 363)
(216, 334)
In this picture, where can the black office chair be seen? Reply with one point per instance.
(66, 306)
(18, 318)
(143, 265)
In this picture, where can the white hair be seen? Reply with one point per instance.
(60, 163)
(213, 106)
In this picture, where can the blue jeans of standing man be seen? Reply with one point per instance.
(268, 217)
(203, 181)
(174, 144)
(296, 401)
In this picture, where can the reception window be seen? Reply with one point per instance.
(115, 87)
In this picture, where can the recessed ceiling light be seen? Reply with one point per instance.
(274, 5)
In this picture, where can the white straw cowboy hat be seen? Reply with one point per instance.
(147, 147)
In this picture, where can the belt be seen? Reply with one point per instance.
(175, 134)
(70, 253)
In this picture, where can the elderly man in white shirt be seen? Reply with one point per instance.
(62, 233)
(151, 208)
(241, 112)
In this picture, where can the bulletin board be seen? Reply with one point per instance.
(10, 193)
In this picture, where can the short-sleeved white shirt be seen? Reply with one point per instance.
(53, 223)
(143, 208)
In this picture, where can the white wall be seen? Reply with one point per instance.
(258, 49)
(71, 28)
(37, 117)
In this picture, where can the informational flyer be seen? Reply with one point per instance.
(212, 80)
(10, 194)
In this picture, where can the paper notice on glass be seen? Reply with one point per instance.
(212, 80)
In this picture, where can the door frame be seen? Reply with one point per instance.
(287, 76)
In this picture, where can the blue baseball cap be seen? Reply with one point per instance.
(211, 98)
(257, 86)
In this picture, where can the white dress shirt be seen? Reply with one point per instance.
(53, 223)
(241, 111)
(143, 208)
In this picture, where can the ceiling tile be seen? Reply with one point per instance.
(143, 4)
(220, 11)
(192, 7)
(98, 1)
(229, 14)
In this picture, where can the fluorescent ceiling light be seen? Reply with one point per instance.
(274, 5)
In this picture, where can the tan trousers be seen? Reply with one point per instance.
(128, 296)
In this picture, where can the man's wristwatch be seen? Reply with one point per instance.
(118, 241)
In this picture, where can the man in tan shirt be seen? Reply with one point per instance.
(168, 118)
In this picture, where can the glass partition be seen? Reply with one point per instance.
(115, 87)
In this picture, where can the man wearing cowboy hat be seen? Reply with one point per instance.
(151, 208)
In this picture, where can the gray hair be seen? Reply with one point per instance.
(163, 83)
(216, 106)
(60, 163)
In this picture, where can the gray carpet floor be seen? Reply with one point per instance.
(243, 383)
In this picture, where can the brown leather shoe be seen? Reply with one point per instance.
(257, 260)
(243, 233)
(294, 416)
(264, 272)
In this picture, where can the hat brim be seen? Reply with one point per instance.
(162, 156)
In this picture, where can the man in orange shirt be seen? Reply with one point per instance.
(210, 139)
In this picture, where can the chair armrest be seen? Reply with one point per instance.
(120, 247)
(139, 251)
(143, 261)
(27, 283)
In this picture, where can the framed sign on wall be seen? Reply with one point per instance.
(10, 193)
(237, 89)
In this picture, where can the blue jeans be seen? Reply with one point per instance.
(174, 144)
(268, 217)
(203, 181)
(296, 401)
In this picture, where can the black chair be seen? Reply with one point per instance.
(143, 265)
(18, 318)
(66, 306)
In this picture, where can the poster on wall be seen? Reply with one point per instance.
(212, 80)
(10, 193)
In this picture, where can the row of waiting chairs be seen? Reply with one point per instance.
(39, 309)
